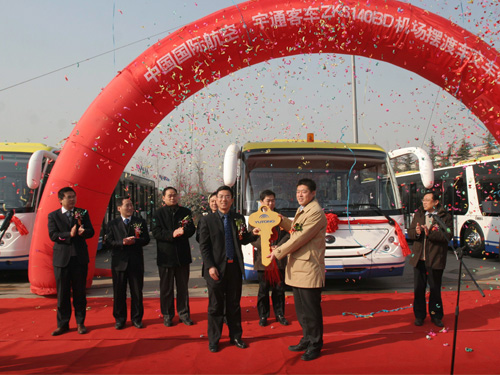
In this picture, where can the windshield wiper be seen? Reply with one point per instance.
(376, 209)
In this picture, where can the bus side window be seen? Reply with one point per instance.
(460, 197)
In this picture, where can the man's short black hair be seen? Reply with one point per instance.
(61, 193)
(119, 200)
(435, 195)
(224, 188)
(266, 193)
(311, 185)
(169, 188)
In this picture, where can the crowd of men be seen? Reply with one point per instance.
(297, 252)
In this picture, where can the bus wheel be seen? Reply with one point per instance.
(473, 240)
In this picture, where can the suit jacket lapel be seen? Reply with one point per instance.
(219, 222)
(234, 229)
(64, 220)
(122, 227)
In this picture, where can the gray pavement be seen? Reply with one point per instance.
(486, 271)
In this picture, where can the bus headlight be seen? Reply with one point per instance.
(13, 228)
(8, 235)
(391, 239)
(387, 248)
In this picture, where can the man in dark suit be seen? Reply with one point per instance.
(126, 235)
(172, 227)
(221, 235)
(69, 227)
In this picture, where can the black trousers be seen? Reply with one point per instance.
(310, 316)
(179, 276)
(277, 296)
(422, 276)
(134, 277)
(73, 277)
(225, 292)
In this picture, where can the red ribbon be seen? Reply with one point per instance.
(333, 224)
(272, 273)
(20, 226)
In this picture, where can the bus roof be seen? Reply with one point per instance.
(302, 144)
(479, 160)
(28, 148)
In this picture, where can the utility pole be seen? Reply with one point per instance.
(354, 101)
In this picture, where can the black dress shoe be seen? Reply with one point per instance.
(282, 320)
(263, 322)
(239, 343)
(214, 348)
(60, 331)
(167, 321)
(119, 325)
(311, 354)
(81, 329)
(437, 322)
(138, 325)
(300, 347)
(187, 322)
(419, 322)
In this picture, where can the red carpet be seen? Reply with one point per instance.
(387, 342)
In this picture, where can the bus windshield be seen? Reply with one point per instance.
(14, 192)
(345, 185)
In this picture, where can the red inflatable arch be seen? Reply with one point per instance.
(128, 109)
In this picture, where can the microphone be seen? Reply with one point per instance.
(6, 221)
(441, 223)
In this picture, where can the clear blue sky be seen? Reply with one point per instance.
(396, 107)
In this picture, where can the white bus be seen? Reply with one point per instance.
(21, 189)
(470, 191)
(354, 182)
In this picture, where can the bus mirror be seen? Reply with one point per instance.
(231, 165)
(424, 163)
(34, 174)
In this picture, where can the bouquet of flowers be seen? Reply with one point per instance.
(137, 229)
(240, 225)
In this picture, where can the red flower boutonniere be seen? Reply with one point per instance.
(78, 214)
(242, 228)
(296, 228)
(137, 229)
(185, 221)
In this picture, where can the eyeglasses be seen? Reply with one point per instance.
(224, 197)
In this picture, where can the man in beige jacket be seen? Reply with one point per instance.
(305, 271)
